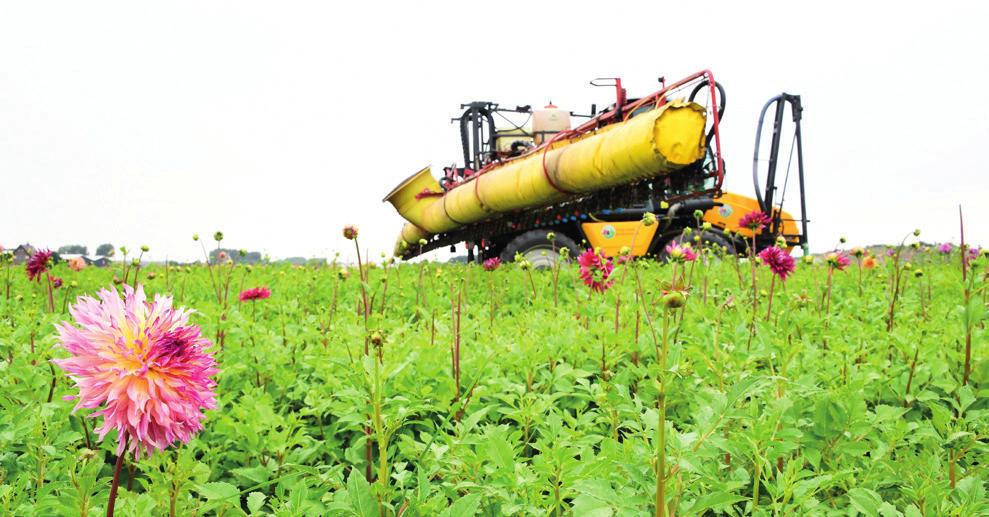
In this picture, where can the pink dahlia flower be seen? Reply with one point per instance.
(838, 260)
(491, 264)
(944, 247)
(38, 264)
(681, 253)
(779, 261)
(595, 271)
(56, 282)
(755, 221)
(255, 293)
(143, 364)
(77, 264)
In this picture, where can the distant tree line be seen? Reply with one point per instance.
(238, 256)
(73, 249)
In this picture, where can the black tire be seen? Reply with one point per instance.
(711, 239)
(537, 248)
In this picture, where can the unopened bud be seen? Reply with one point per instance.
(674, 300)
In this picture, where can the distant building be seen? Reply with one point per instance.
(22, 253)
(98, 262)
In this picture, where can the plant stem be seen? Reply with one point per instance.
(116, 479)
(661, 430)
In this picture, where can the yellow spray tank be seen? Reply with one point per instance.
(654, 143)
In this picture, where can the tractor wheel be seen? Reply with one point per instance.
(537, 249)
(712, 240)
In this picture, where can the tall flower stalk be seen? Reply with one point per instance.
(350, 233)
(672, 300)
(754, 222)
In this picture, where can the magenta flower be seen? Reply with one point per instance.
(255, 293)
(838, 260)
(944, 248)
(56, 282)
(143, 363)
(38, 264)
(680, 253)
(779, 261)
(491, 264)
(973, 253)
(755, 221)
(595, 271)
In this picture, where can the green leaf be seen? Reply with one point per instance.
(255, 501)
(714, 501)
(466, 506)
(218, 490)
(362, 501)
(865, 501)
(587, 506)
(256, 475)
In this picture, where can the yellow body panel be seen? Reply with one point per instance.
(654, 143)
(735, 207)
(612, 236)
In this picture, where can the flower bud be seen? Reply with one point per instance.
(423, 242)
(698, 214)
(218, 236)
(674, 300)
(625, 250)
(648, 219)
(706, 226)
(145, 248)
(350, 232)
(687, 231)
(376, 338)
(551, 236)
(195, 236)
(916, 233)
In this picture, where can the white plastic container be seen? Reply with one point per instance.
(549, 121)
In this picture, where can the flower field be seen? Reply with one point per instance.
(855, 384)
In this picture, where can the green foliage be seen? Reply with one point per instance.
(810, 413)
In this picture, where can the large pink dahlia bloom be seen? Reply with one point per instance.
(595, 270)
(143, 363)
(779, 261)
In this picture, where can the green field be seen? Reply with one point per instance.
(817, 409)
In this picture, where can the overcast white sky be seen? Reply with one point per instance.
(280, 122)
